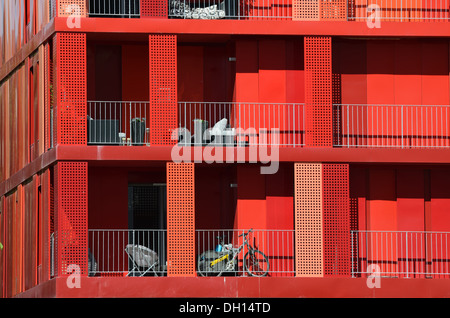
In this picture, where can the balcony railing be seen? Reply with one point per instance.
(117, 123)
(276, 247)
(401, 254)
(399, 10)
(402, 126)
(230, 9)
(114, 8)
(242, 123)
(110, 251)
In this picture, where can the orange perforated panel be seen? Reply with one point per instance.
(308, 219)
(71, 216)
(333, 10)
(154, 9)
(336, 220)
(71, 91)
(163, 88)
(318, 92)
(180, 219)
(304, 10)
(71, 8)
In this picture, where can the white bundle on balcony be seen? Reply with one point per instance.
(182, 9)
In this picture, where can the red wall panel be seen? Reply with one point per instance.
(247, 68)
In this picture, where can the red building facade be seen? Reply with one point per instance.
(103, 111)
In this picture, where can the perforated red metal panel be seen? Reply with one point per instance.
(308, 219)
(304, 10)
(154, 9)
(336, 220)
(68, 8)
(318, 92)
(163, 88)
(71, 216)
(71, 91)
(180, 219)
(333, 10)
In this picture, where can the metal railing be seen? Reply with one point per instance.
(235, 123)
(114, 8)
(117, 123)
(399, 10)
(403, 126)
(107, 255)
(277, 245)
(230, 9)
(408, 254)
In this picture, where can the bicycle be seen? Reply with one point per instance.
(215, 263)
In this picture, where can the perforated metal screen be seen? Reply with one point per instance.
(163, 88)
(71, 216)
(154, 9)
(180, 219)
(67, 8)
(336, 220)
(304, 10)
(71, 91)
(308, 219)
(318, 92)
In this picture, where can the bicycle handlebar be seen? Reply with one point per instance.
(245, 234)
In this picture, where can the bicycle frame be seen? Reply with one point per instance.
(235, 251)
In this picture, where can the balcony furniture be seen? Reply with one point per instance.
(200, 126)
(200, 10)
(103, 131)
(142, 258)
(92, 264)
(137, 131)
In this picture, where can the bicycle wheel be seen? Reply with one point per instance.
(205, 269)
(256, 263)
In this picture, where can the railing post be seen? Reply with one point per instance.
(406, 246)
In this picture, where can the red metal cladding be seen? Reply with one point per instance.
(180, 219)
(154, 9)
(71, 217)
(318, 92)
(336, 220)
(163, 88)
(308, 220)
(71, 91)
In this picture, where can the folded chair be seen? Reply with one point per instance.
(143, 259)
